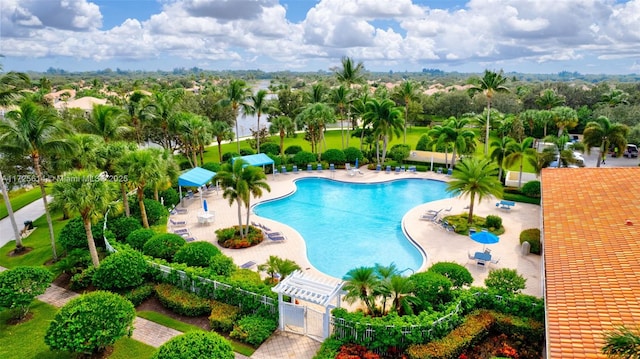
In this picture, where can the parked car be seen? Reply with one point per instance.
(631, 151)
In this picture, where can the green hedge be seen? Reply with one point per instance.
(139, 294)
(223, 316)
(163, 245)
(181, 301)
(121, 270)
(532, 236)
(253, 329)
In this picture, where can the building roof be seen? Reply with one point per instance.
(591, 234)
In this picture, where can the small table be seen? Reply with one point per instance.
(206, 218)
(482, 258)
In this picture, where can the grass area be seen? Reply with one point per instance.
(26, 340)
(186, 328)
(20, 198)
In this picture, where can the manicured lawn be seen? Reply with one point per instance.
(19, 199)
(26, 340)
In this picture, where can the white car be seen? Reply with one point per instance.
(579, 158)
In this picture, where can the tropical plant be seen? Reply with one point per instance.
(20, 286)
(564, 118)
(123, 269)
(500, 151)
(505, 281)
(90, 195)
(90, 323)
(160, 112)
(257, 107)
(408, 91)
(475, 178)
(604, 134)
(222, 132)
(12, 86)
(195, 345)
(360, 284)
(196, 254)
(34, 131)
(315, 116)
(278, 267)
(107, 122)
(141, 168)
(386, 120)
(462, 139)
(549, 99)
(491, 83)
(517, 152)
(237, 95)
(282, 126)
(622, 343)
(403, 300)
(340, 99)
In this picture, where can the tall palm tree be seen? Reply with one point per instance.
(12, 85)
(386, 120)
(84, 192)
(34, 131)
(358, 108)
(136, 108)
(549, 99)
(16, 233)
(255, 181)
(615, 97)
(462, 138)
(237, 94)
(283, 126)
(518, 152)
(350, 73)
(409, 92)
(361, 283)
(475, 178)
(491, 83)
(603, 133)
(222, 132)
(340, 99)
(442, 136)
(565, 118)
(168, 172)
(111, 153)
(315, 116)
(141, 168)
(161, 109)
(107, 122)
(257, 107)
(500, 151)
(622, 343)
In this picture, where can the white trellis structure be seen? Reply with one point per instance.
(302, 286)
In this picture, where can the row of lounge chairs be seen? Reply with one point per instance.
(269, 234)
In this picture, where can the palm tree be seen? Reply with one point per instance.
(222, 132)
(255, 181)
(106, 122)
(463, 139)
(500, 151)
(565, 118)
(441, 136)
(34, 131)
(340, 99)
(386, 120)
(548, 99)
(408, 92)
(237, 93)
(385, 273)
(401, 289)
(168, 172)
(111, 153)
(622, 343)
(84, 192)
(315, 116)
(257, 106)
(603, 133)
(491, 83)
(12, 85)
(136, 107)
(141, 168)
(276, 265)
(473, 177)
(350, 73)
(161, 109)
(517, 152)
(361, 283)
(283, 126)
(615, 97)
(16, 233)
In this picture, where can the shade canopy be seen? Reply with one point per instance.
(259, 159)
(484, 237)
(196, 177)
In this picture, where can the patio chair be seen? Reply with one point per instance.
(397, 169)
(248, 265)
(295, 170)
(319, 168)
(181, 231)
(283, 169)
(388, 169)
(332, 167)
(277, 238)
(378, 168)
(190, 239)
(350, 171)
(177, 223)
(309, 168)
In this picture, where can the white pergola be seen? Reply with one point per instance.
(314, 289)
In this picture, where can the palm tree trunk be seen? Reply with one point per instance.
(258, 137)
(43, 192)
(486, 140)
(406, 118)
(219, 148)
(92, 244)
(520, 176)
(7, 202)
(143, 211)
(240, 218)
(235, 113)
(473, 199)
(281, 142)
(247, 224)
(125, 199)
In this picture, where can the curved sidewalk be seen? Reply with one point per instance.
(30, 212)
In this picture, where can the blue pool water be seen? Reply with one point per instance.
(348, 225)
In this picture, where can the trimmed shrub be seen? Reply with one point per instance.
(532, 236)
(195, 345)
(230, 237)
(475, 328)
(334, 156)
(20, 286)
(493, 222)
(270, 148)
(253, 329)
(432, 288)
(228, 156)
(458, 274)
(139, 294)
(211, 166)
(292, 150)
(423, 143)
(83, 279)
(74, 262)
(73, 235)
(139, 237)
(505, 281)
(329, 349)
(351, 153)
(163, 245)
(303, 158)
(246, 152)
(121, 270)
(196, 254)
(399, 152)
(222, 265)
(155, 210)
(99, 233)
(532, 189)
(170, 196)
(91, 322)
(121, 227)
(181, 301)
(223, 316)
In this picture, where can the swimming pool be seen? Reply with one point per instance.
(348, 225)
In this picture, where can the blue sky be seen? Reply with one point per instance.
(537, 36)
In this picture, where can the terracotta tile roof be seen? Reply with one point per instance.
(591, 256)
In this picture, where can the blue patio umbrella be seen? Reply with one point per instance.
(204, 205)
(485, 238)
(356, 162)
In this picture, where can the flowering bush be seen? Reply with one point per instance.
(230, 237)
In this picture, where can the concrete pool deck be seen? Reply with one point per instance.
(438, 244)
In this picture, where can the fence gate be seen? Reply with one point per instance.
(301, 319)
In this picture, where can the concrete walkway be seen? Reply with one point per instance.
(30, 212)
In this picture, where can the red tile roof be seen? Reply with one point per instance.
(591, 256)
